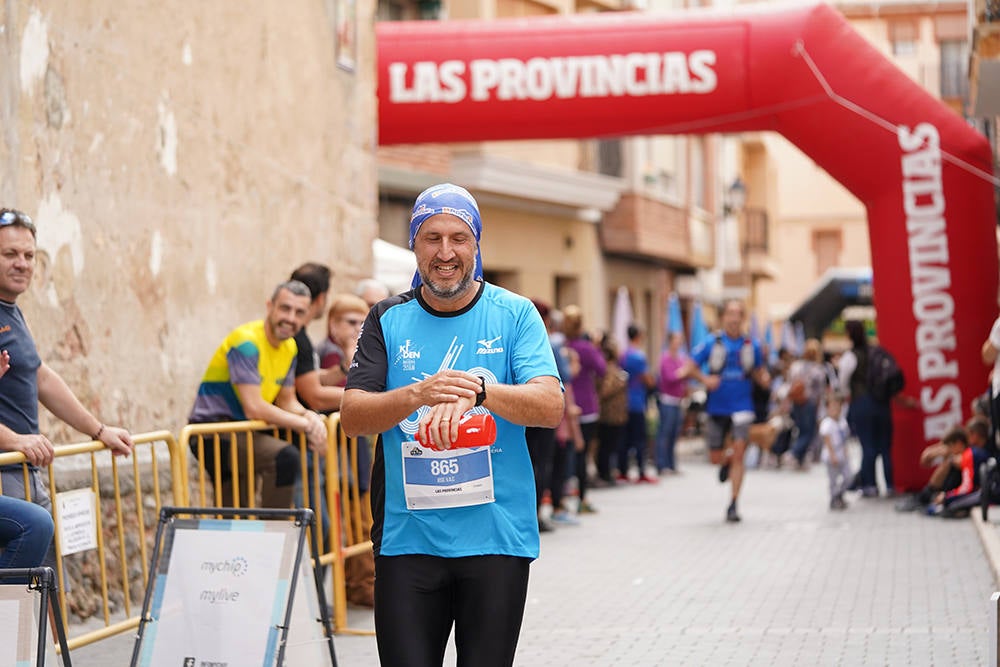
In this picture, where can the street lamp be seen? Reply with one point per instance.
(736, 197)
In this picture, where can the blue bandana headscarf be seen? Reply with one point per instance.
(453, 200)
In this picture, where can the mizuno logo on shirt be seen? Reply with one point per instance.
(486, 346)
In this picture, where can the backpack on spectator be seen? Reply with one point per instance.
(797, 392)
(989, 485)
(885, 378)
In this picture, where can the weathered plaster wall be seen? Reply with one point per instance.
(179, 159)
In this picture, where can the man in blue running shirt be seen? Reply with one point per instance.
(454, 529)
(732, 360)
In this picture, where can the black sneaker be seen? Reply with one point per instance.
(731, 514)
(855, 483)
(909, 504)
(723, 472)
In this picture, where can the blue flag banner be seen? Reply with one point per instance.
(699, 330)
(675, 323)
(788, 339)
(754, 328)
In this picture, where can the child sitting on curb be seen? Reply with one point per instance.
(950, 492)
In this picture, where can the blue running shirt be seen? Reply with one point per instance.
(735, 390)
(499, 336)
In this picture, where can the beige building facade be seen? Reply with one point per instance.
(984, 79)
(816, 224)
(179, 160)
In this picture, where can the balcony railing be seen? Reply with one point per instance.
(755, 231)
(653, 229)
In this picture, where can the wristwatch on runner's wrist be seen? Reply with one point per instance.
(481, 396)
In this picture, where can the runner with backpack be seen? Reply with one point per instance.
(732, 360)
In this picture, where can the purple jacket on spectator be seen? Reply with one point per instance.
(669, 384)
(592, 369)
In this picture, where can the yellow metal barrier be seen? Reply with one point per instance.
(345, 539)
(196, 434)
(343, 493)
(121, 580)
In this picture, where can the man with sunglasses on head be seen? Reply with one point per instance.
(30, 381)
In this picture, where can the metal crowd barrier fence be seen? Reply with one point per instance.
(350, 522)
(125, 548)
(141, 494)
(323, 486)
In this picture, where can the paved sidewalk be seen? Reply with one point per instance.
(657, 578)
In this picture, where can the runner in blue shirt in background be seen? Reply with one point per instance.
(732, 360)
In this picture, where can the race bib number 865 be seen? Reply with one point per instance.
(435, 479)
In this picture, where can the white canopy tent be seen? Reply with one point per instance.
(394, 265)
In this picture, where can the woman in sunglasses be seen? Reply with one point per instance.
(347, 314)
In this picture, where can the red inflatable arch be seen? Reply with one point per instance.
(923, 175)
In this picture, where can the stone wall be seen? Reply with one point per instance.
(179, 159)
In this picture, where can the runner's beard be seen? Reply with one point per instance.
(447, 292)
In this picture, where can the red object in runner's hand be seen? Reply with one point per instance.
(477, 430)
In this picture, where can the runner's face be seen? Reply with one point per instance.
(17, 261)
(732, 319)
(446, 256)
(286, 315)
